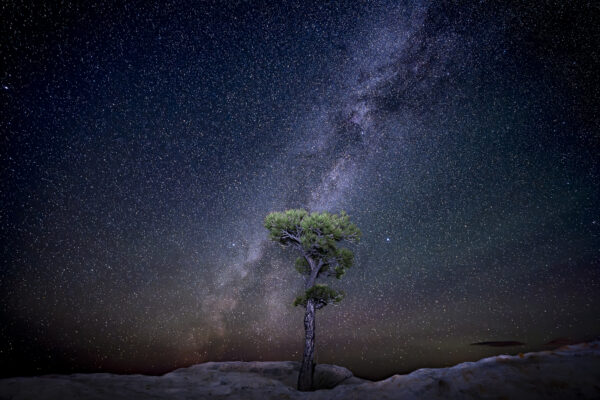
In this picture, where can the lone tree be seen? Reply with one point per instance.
(316, 237)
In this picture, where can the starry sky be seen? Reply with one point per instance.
(143, 143)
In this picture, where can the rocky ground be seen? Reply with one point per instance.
(571, 372)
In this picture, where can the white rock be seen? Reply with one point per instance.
(572, 372)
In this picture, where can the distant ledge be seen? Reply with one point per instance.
(500, 343)
(569, 372)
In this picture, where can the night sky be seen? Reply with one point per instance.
(143, 143)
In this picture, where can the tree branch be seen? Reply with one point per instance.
(314, 271)
(287, 234)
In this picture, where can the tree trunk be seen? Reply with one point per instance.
(305, 378)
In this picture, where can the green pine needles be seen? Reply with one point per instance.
(321, 294)
(316, 237)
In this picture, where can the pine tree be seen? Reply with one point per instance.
(315, 236)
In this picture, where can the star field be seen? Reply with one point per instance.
(143, 145)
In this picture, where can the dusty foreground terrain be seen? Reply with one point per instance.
(571, 372)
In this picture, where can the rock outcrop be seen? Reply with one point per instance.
(571, 372)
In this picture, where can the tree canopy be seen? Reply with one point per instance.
(316, 236)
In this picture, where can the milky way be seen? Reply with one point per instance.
(143, 147)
